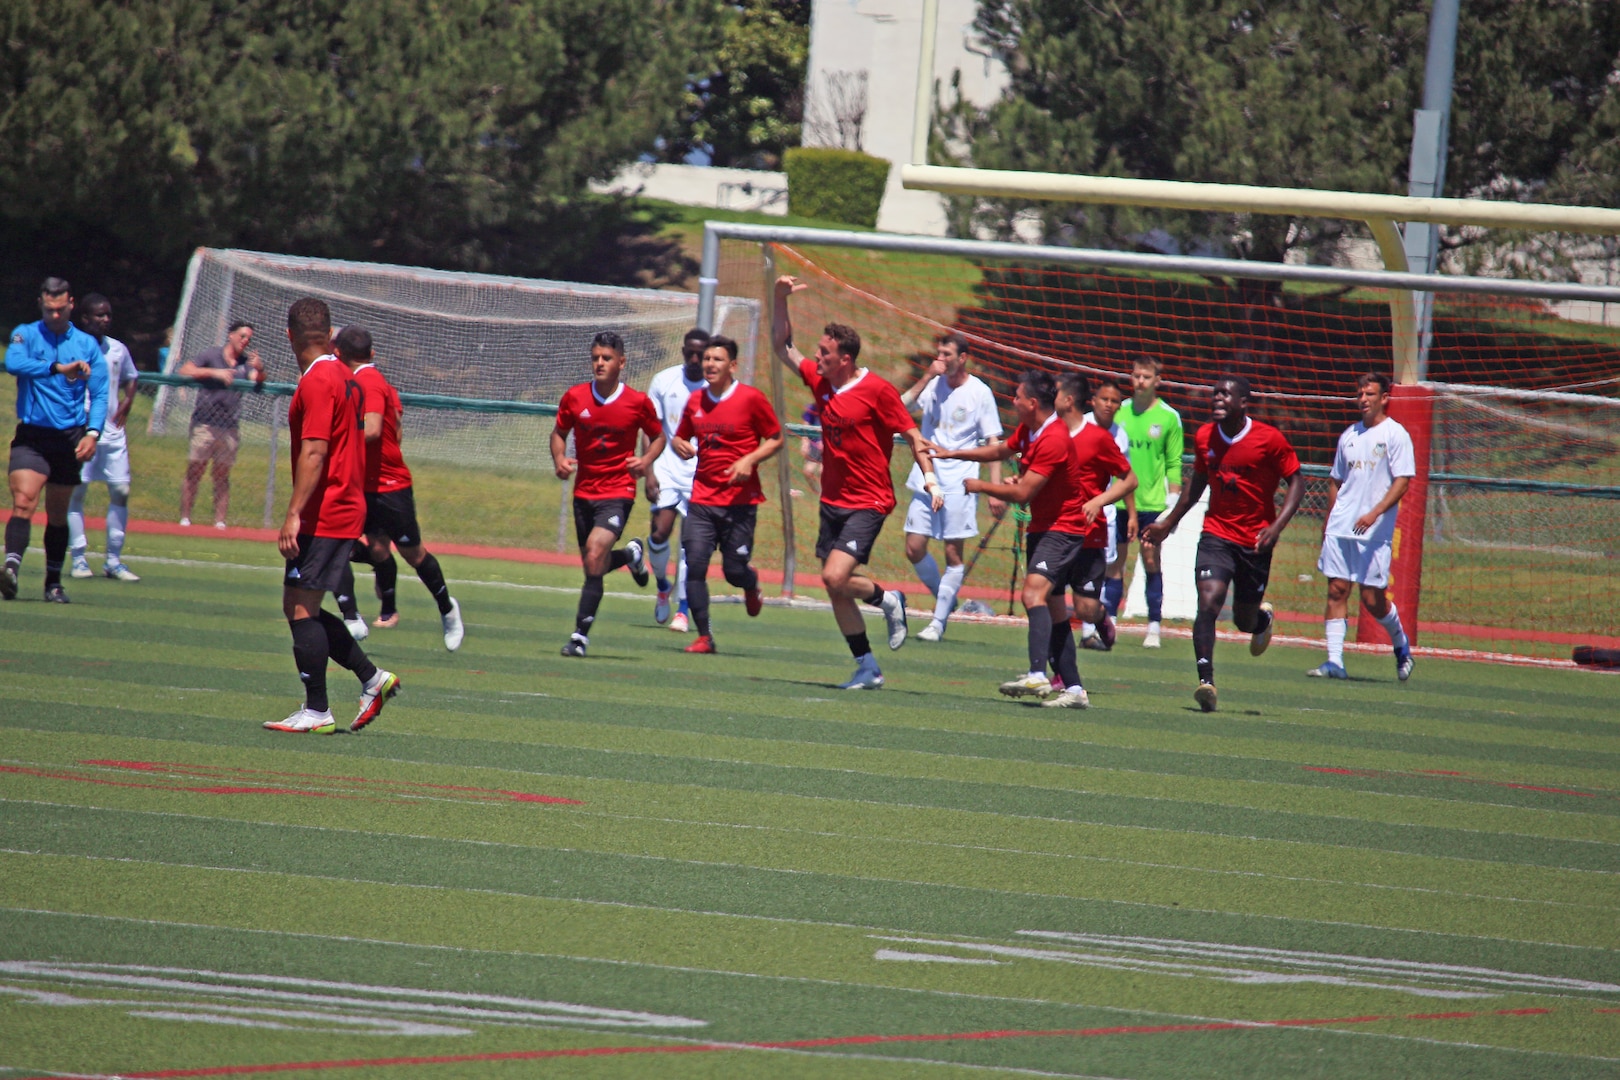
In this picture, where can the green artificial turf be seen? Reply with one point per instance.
(635, 864)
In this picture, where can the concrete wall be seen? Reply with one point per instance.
(697, 185)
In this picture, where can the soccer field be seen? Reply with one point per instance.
(653, 864)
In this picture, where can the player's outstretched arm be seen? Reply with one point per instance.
(1272, 533)
(782, 322)
(1190, 493)
(1021, 490)
(1118, 490)
(991, 452)
(923, 453)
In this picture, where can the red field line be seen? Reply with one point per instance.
(1462, 778)
(495, 794)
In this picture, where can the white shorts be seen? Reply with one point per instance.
(673, 497)
(109, 466)
(957, 520)
(1364, 562)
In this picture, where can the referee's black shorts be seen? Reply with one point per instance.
(47, 450)
(393, 514)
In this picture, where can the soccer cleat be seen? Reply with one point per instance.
(1205, 696)
(1404, 664)
(385, 622)
(305, 722)
(932, 632)
(1107, 632)
(704, 644)
(753, 602)
(185, 523)
(1151, 639)
(576, 645)
(1074, 697)
(220, 525)
(661, 607)
(1259, 642)
(1093, 641)
(357, 628)
(8, 581)
(866, 677)
(1027, 685)
(678, 623)
(894, 613)
(117, 571)
(454, 631)
(383, 685)
(81, 568)
(1328, 670)
(55, 594)
(1057, 683)
(638, 562)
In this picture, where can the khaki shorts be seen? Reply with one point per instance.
(212, 443)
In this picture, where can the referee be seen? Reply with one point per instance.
(58, 367)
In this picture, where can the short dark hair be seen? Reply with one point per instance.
(607, 339)
(1374, 377)
(720, 341)
(1075, 385)
(95, 299)
(239, 324)
(1107, 384)
(353, 343)
(951, 337)
(695, 336)
(54, 286)
(1239, 383)
(845, 337)
(1039, 385)
(309, 320)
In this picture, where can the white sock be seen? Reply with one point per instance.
(1392, 626)
(658, 559)
(680, 578)
(949, 583)
(1335, 640)
(117, 520)
(928, 572)
(1087, 629)
(77, 543)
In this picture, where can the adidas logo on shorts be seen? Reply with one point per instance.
(614, 520)
(852, 545)
(743, 550)
(1041, 565)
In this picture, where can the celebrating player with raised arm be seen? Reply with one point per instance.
(731, 430)
(670, 390)
(325, 516)
(860, 415)
(1372, 469)
(1065, 482)
(605, 416)
(1240, 460)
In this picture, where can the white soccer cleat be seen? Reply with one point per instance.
(1151, 639)
(1328, 670)
(119, 572)
(357, 628)
(1259, 642)
(81, 568)
(932, 632)
(1073, 697)
(305, 722)
(375, 694)
(577, 644)
(220, 525)
(1205, 696)
(679, 624)
(454, 631)
(1030, 684)
(185, 523)
(638, 562)
(1404, 664)
(894, 613)
(866, 677)
(661, 607)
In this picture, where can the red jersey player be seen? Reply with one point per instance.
(1066, 494)
(861, 413)
(325, 516)
(605, 416)
(731, 429)
(390, 501)
(1240, 460)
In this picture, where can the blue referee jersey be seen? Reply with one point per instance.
(52, 401)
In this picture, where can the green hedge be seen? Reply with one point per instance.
(835, 185)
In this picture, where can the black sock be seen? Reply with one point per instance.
(876, 599)
(56, 545)
(1064, 660)
(428, 570)
(859, 644)
(341, 646)
(697, 601)
(344, 594)
(617, 558)
(1040, 637)
(310, 653)
(17, 530)
(590, 598)
(1204, 645)
(387, 579)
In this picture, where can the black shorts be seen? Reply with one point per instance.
(1087, 571)
(1122, 522)
(1052, 555)
(321, 564)
(850, 531)
(393, 514)
(726, 529)
(1222, 560)
(610, 514)
(49, 451)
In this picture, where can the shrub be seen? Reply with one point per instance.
(837, 185)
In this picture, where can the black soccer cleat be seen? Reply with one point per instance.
(8, 581)
(638, 562)
(55, 594)
(576, 645)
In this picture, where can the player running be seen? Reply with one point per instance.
(325, 516)
(731, 430)
(605, 415)
(670, 390)
(1240, 460)
(1372, 469)
(958, 410)
(860, 415)
(390, 500)
(1156, 438)
(111, 463)
(1097, 631)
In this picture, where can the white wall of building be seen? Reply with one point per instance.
(701, 185)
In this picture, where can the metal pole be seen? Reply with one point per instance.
(922, 121)
(270, 469)
(1426, 176)
(708, 278)
(784, 467)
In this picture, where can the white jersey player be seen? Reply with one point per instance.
(670, 390)
(1372, 469)
(958, 413)
(110, 465)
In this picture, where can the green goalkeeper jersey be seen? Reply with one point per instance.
(1156, 440)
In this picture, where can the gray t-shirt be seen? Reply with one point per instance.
(217, 405)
